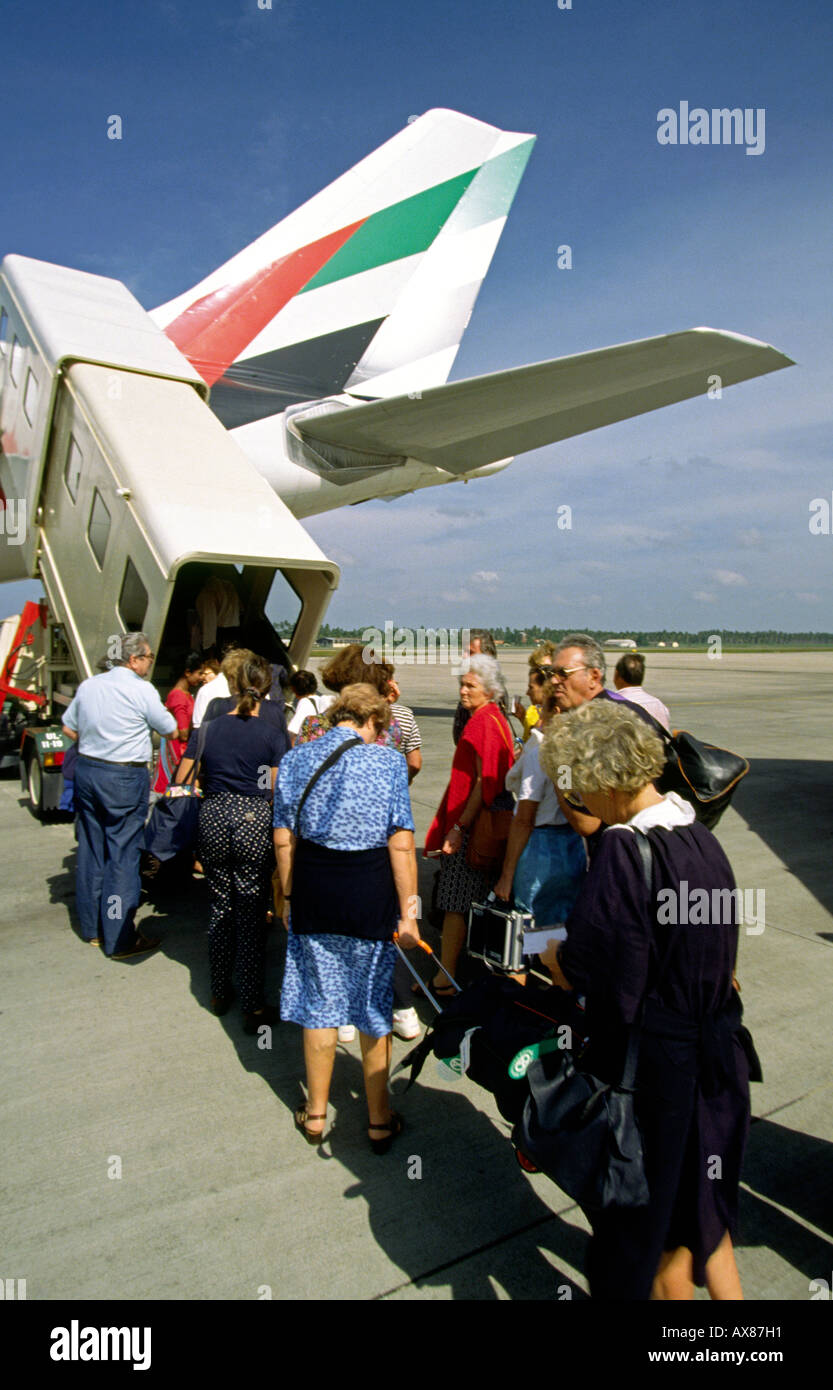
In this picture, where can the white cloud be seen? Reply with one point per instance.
(485, 577)
(809, 598)
(751, 538)
(730, 578)
(702, 597)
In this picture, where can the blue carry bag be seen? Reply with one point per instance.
(174, 820)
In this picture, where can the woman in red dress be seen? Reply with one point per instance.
(482, 759)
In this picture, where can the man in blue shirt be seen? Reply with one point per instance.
(112, 716)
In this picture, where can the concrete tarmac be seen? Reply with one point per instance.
(149, 1146)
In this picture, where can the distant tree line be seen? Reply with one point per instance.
(531, 636)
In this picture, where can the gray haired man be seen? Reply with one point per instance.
(578, 675)
(577, 671)
(111, 717)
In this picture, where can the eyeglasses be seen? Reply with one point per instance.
(562, 672)
(147, 656)
(573, 800)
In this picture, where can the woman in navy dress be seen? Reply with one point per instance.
(348, 870)
(677, 948)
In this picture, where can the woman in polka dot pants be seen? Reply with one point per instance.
(238, 769)
(237, 856)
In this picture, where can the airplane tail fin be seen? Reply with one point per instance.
(368, 287)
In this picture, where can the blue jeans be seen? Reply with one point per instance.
(111, 803)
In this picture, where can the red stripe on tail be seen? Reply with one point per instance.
(213, 331)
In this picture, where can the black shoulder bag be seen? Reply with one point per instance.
(701, 773)
(278, 898)
(582, 1132)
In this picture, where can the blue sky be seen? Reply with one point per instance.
(695, 516)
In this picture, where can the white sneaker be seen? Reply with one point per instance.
(406, 1024)
(346, 1033)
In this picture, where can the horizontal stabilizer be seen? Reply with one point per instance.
(466, 424)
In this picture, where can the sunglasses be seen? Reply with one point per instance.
(562, 672)
(572, 799)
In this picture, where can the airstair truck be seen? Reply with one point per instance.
(122, 492)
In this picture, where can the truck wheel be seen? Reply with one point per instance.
(34, 781)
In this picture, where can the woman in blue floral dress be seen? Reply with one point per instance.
(348, 870)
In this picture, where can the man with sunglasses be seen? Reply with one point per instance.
(577, 674)
(111, 717)
(577, 671)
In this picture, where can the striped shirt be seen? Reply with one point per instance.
(411, 739)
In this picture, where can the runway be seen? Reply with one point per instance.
(150, 1152)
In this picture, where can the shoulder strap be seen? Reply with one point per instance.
(195, 770)
(632, 1054)
(647, 857)
(327, 763)
(503, 733)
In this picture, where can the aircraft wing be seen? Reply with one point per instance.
(466, 424)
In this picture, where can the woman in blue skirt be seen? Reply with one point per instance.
(345, 848)
(545, 859)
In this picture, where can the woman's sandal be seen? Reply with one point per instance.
(301, 1117)
(391, 1130)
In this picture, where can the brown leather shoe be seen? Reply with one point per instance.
(139, 947)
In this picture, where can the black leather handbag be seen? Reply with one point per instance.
(583, 1132)
(701, 773)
